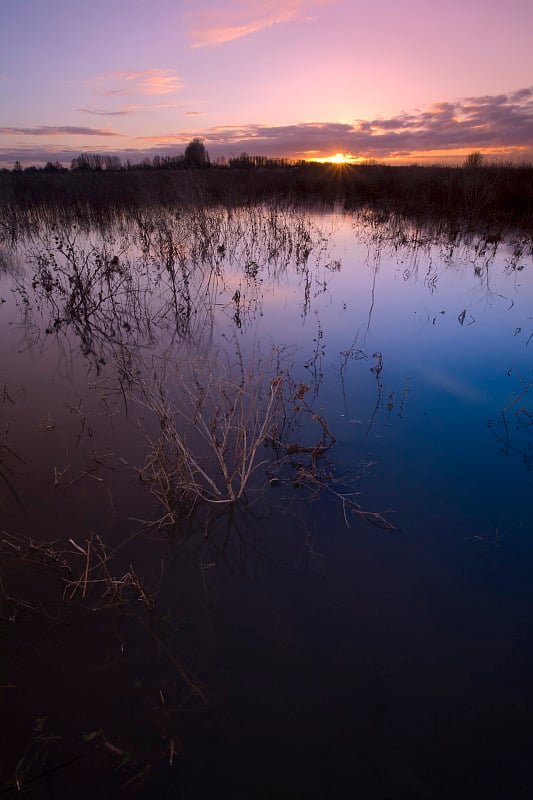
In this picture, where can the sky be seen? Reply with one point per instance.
(398, 81)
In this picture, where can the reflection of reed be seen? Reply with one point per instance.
(163, 277)
(514, 427)
(376, 371)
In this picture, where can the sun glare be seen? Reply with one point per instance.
(339, 159)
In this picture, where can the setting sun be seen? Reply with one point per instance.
(338, 158)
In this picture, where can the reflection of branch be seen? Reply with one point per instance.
(10, 488)
(515, 400)
(405, 393)
(353, 353)
(376, 369)
(372, 298)
(187, 678)
(314, 364)
(7, 396)
(521, 425)
(4, 468)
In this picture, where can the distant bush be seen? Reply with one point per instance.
(474, 160)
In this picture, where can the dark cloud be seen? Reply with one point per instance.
(491, 122)
(521, 94)
(498, 123)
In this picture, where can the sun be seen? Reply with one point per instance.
(339, 158)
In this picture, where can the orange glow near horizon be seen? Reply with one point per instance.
(339, 158)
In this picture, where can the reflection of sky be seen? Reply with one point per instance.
(405, 316)
(448, 342)
(448, 337)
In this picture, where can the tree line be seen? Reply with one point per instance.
(194, 157)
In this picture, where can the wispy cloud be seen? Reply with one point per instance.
(148, 81)
(241, 18)
(61, 130)
(125, 110)
(102, 113)
(192, 113)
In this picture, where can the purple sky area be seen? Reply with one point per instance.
(397, 81)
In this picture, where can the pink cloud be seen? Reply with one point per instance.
(242, 18)
(148, 81)
(126, 110)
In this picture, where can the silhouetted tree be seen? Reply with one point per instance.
(196, 155)
(87, 162)
(474, 159)
(112, 163)
(52, 166)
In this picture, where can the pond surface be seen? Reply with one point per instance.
(265, 485)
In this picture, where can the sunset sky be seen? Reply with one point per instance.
(393, 80)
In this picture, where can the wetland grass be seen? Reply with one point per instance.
(471, 197)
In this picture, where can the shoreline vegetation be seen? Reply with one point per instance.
(468, 197)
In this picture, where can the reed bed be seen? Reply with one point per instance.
(467, 196)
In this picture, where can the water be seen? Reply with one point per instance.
(286, 646)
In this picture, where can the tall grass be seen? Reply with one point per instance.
(488, 195)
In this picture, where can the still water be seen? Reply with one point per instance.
(358, 623)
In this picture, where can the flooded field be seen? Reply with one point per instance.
(266, 518)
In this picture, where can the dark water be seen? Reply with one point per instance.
(283, 647)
